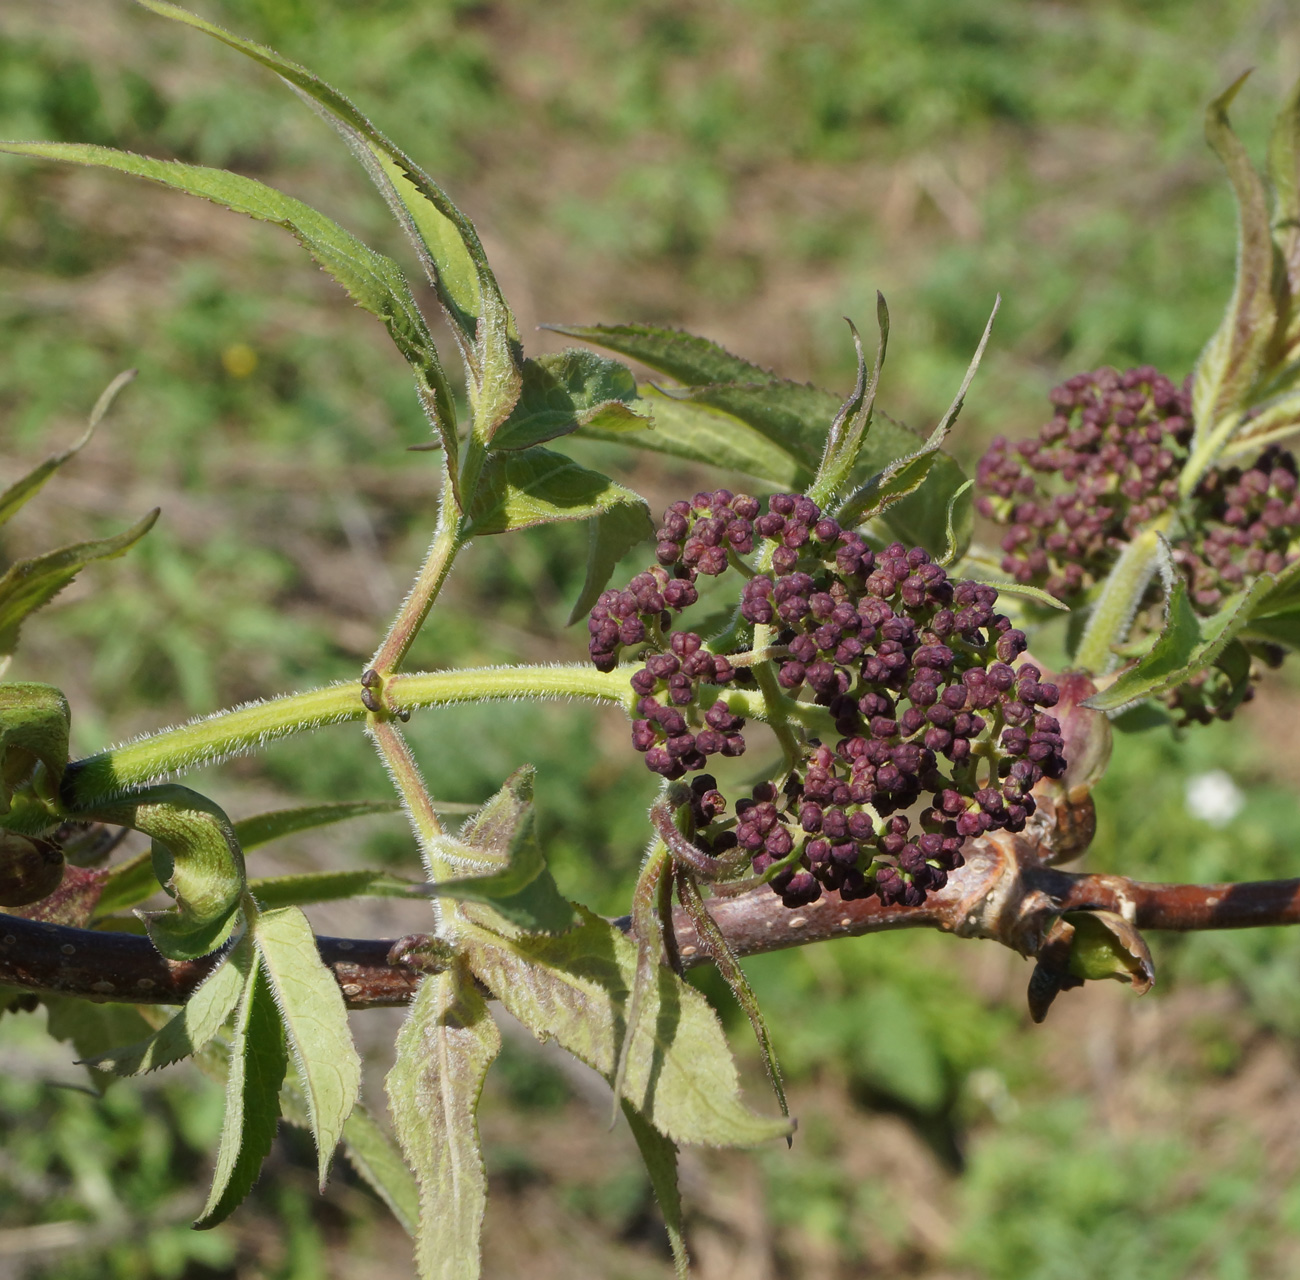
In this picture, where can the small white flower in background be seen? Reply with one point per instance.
(1214, 798)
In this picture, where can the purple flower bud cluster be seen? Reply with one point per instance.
(1116, 444)
(915, 671)
(1248, 522)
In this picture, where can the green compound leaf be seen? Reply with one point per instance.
(659, 1154)
(316, 1023)
(14, 497)
(196, 858)
(445, 1048)
(330, 886)
(1186, 644)
(444, 238)
(34, 721)
(1231, 360)
(692, 360)
(254, 1075)
(372, 281)
(29, 584)
(574, 989)
(203, 1015)
(502, 839)
(563, 392)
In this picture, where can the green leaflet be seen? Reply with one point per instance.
(1187, 644)
(203, 1015)
(265, 827)
(448, 245)
(1035, 594)
(692, 360)
(374, 282)
(905, 475)
(92, 1029)
(13, 498)
(720, 952)
(329, 886)
(519, 489)
(29, 584)
(536, 486)
(610, 536)
(1231, 360)
(445, 1048)
(196, 858)
(685, 429)
(370, 1151)
(315, 1021)
(33, 728)
(960, 524)
(255, 1073)
(502, 837)
(849, 429)
(574, 988)
(659, 1155)
(1284, 169)
(563, 392)
(741, 417)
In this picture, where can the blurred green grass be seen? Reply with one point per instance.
(748, 171)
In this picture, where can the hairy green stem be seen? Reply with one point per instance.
(1113, 613)
(111, 773)
(424, 591)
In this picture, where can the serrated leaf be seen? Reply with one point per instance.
(376, 1157)
(1231, 360)
(196, 858)
(744, 418)
(265, 827)
(92, 1028)
(18, 493)
(720, 952)
(692, 360)
(203, 1015)
(536, 486)
(34, 721)
(372, 281)
(502, 839)
(697, 433)
(29, 584)
(255, 1071)
(330, 886)
(904, 476)
(444, 238)
(573, 988)
(610, 536)
(568, 390)
(1187, 644)
(849, 428)
(315, 1021)
(1025, 592)
(445, 1048)
(659, 1154)
(960, 524)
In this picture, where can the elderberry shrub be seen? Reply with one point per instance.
(914, 671)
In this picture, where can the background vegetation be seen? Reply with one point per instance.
(752, 171)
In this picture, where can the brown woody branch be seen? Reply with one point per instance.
(1005, 892)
